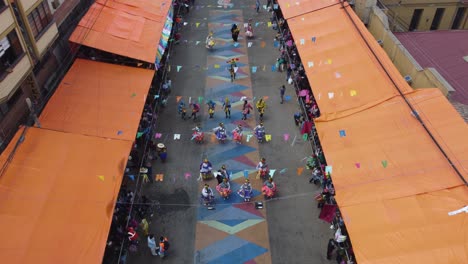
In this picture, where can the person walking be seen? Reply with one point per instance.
(257, 6)
(227, 107)
(246, 109)
(234, 32)
(282, 91)
(152, 244)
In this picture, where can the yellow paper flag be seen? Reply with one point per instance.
(353, 92)
(159, 177)
(329, 61)
(216, 66)
(268, 138)
(299, 170)
(197, 24)
(101, 177)
(269, 24)
(265, 97)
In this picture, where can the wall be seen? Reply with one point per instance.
(404, 13)
(46, 39)
(401, 58)
(363, 9)
(6, 20)
(13, 79)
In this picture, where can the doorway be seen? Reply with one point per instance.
(458, 17)
(437, 18)
(417, 13)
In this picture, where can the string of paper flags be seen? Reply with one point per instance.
(225, 6)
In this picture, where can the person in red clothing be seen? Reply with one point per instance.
(132, 234)
(163, 246)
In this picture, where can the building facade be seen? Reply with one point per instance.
(34, 55)
(424, 15)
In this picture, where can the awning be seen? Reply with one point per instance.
(342, 71)
(99, 99)
(291, 8)
(123, 28)
(386, 154)
(58, 195)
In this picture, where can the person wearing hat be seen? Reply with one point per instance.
(205, 169)
(237, 134)
(222, 174)
(207, 194)
(245, 190)
(220, 131)
(209, 43)
(262, 168)
(224, 189)
(162, 151)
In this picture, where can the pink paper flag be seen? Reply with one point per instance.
(187, 175)
(358, 165)
(286, 137)
(157, 135)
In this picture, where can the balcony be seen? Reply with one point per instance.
(15, 75)
(6, 19)
(46, 38)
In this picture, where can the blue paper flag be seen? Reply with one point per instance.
(254, 69)
(273, 68)
(246, 173)
(275, 6)
(342, 133)
(132, 177)
(276, 44)
(156, 96)
(236, 44)
(314, 39)
(120, 132)
(287, 97)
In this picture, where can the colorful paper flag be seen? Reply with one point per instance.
(254, 69)
(178, 68)
(132, 177)
(197, 24)
(178, 98)
(310, 64)
(187, 175)
(300, 170)
(262, 44)
(328, 169)
(337, 75)
(331, 95)
(156, 96)
(272, 173)
(358, 165)
(157, 135)
(273, 68)
(305, 136)
(275, 44)
(120, 132)
(248, 138)
(353, 93)
(287, 98)
(249, 44)
(275, 6)
(139, 134)
(197, 42)
(283, 171)
(246, 174)
(133, 94)
(384, 163)
(236, 44)
(286, 137)
(302, 41)
(342, 133)
(101, 177)
(314, 39)
(268, 138)
(200, 99)
(269, 24)
(159, 177)
(176, 136)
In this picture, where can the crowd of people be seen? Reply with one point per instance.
(289, 59)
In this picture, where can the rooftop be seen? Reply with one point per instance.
(447, 52)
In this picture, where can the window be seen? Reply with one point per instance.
(10, 52)
(2, 5)
(417, 13)
(437, 18)
(39, 19)
(458, 17)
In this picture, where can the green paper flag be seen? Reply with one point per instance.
(200, 99)
(384, 163)
(133, 94)
(139, 134)
(305, 136)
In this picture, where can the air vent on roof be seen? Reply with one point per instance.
(408, 79)
(380, 42)
(465, 58)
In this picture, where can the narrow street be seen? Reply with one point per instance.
(287, 229)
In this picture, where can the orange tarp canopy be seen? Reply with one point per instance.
(414, 229)
(394, 186)
(153, 10)
(130, 31)
(99, 99)
(58, 195)
(343, 73)
(292, 8)
(386, 153)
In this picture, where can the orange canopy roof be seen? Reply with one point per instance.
(291, 8)
(58, 196)
(154, 10)
(99, 99)
(414, 229)
(118, 28)
(343, 73)
(386, 153)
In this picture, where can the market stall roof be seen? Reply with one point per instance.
(344, 74)
(393, 184)
(413, 229)
(383, 153)
(99, 99)
(292, 8)
(58, 193)
(124, 28)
